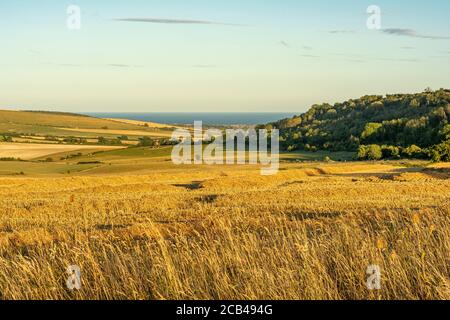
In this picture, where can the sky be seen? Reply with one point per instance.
(217, 55)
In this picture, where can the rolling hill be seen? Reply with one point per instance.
(65, 124)
(61, 120)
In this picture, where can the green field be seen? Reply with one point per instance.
(316, 156)
(25, 168)
(37, 127)
(136, 160)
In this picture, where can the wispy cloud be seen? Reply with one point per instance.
(341, 31)
(309, 56)
(356, 60)
(204, 66)
(69, 65)
(119, 65)
(407, 48)
(288, 45)
(109, 65)
(175, 21)
(397, 59)
(34, 52)
(411, 33)
(284, 44)
(359, 58)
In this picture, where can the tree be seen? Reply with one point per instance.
(396, 122)
(434, 155)
(331, 113)
(102, 141)
(146, 142)
(377, 104)
(374, 152)
(390, 152)
(414, 103)
(440, 152)
(362, 152)
(445, 132)
(7, 138)
(370, 130)
(413, 151)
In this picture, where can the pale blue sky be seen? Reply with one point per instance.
(252, 55)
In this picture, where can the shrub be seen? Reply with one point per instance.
(362, 152)
(102, 140)
(89, 162)
(291, 148)
(9, 159)
(146, 142)
(7, 138)
(374, 152)
(390, 152)
(440, 152)
(370, 130)
(413, 152)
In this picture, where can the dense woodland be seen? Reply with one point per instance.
(376, 127)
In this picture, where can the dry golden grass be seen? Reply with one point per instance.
(306, 233)
(51, 119)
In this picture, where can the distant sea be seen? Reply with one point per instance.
(207, 118)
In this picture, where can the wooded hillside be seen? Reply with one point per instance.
(392, 126)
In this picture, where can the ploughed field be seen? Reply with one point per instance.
(309, 232)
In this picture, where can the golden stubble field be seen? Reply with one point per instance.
(30, 151)
(309, 232)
